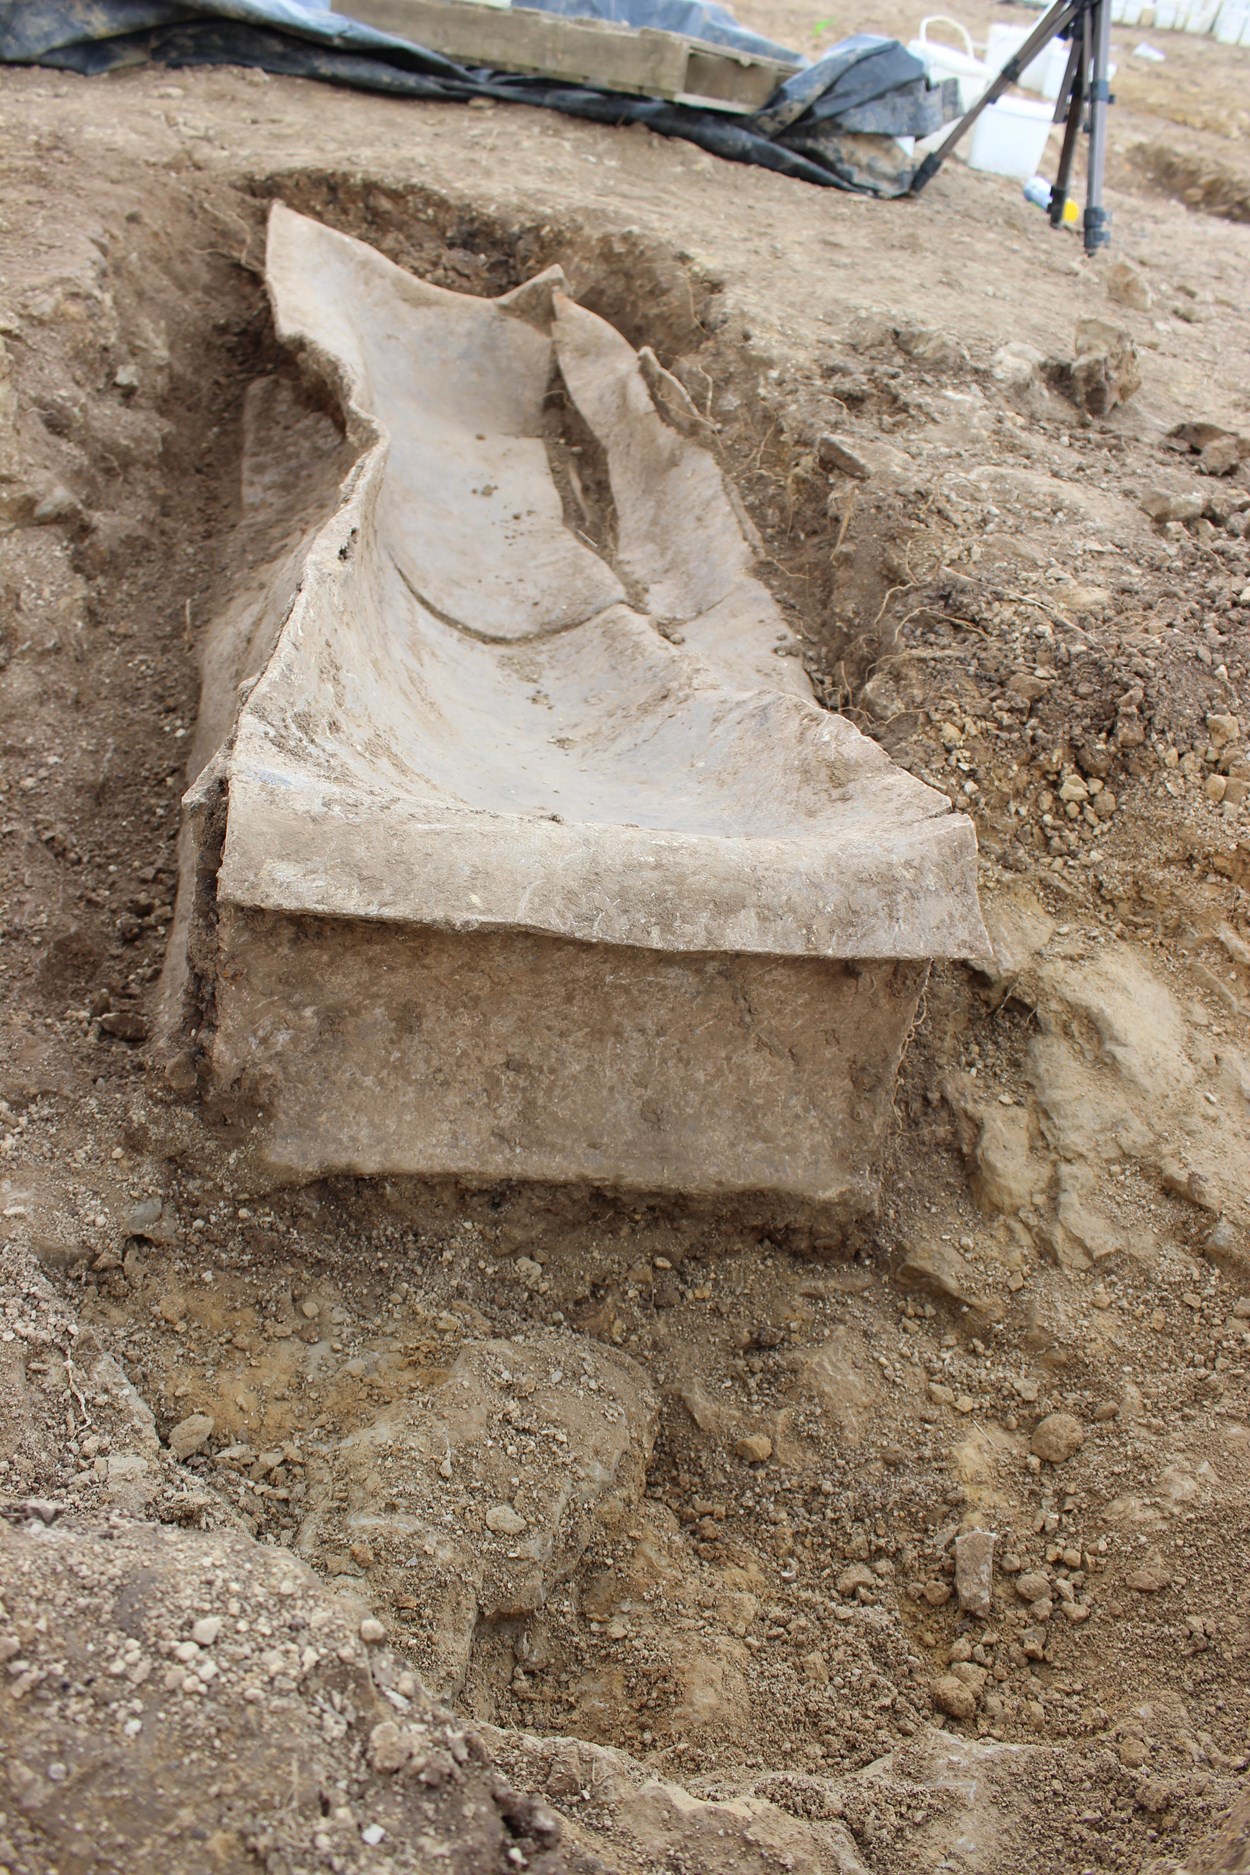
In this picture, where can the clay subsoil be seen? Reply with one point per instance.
(381, 1526)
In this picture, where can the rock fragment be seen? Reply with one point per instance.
(1184, 506)
(832, 453)
(928, 345)
(1104, 371)
(1127, 287)
(1057, 1437)
(504, 1520)
(938, 1269)
(854, 1577)
(974, 1571)
(755, 1447)
(1151, 1576)
(1016, 365)
(190, 1435)
(1220, 456)
(954, 1696)
(390, 1747)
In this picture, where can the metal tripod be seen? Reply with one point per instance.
(1083, 100)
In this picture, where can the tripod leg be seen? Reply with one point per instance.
(1074, 91)
(1097, 218)
(1052, 23)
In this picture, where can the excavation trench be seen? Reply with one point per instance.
(338, 1335)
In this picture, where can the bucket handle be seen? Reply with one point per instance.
(944, 19)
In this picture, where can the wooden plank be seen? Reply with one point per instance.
(644, 63)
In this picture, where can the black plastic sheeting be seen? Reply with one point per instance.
(866, 83)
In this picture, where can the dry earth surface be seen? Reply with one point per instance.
(388, 1527)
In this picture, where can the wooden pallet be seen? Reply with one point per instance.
(644, 62)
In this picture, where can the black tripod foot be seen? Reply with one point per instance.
(1097, 229)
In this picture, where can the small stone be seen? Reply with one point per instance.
(126, 1025)
(1028, 685)
(1057, 1437)
(756, 1448)
(372, 1631)
(1161, 506)
(504, 1520)
(974, 1571)
(1150, 1576)
(954, 1696)
(1104, 371)
(206, 1630)
(372, 1834)
(1033, 1643)
(390, 1747)
(142, 1217)
(56, 505)
(971, 1674)
(1027, 1389)
(190, 1435)
(941, 351)
(1220, 456)
(856, 1576)
(936, 1592)
(815, 1668)
(1126, 286)
(938, 1269)
(1031, 1585)
(1133, 1753)
(1222, 730)
(1017, 366)
(831, 453)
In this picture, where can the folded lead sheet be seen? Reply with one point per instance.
(526, 853)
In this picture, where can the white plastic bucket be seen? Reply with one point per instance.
(1009, 138)
(1043, 75)
(946, 61)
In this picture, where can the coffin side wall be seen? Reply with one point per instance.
(491, 1056)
